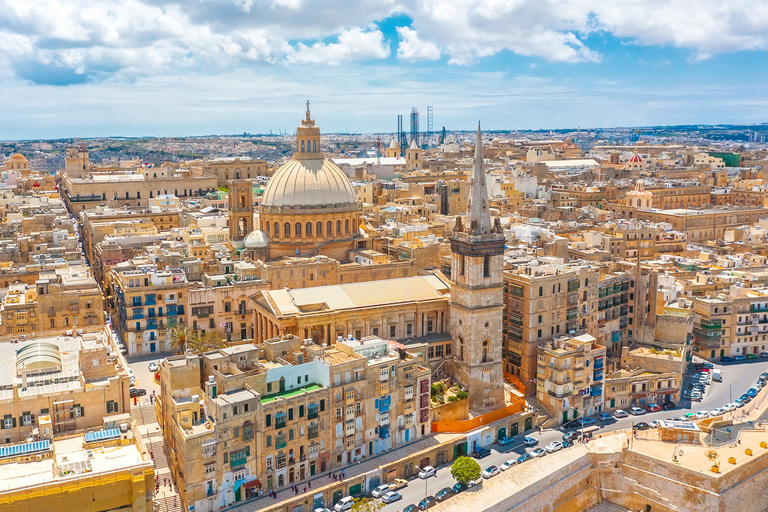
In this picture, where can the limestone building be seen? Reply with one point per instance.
(477, 301)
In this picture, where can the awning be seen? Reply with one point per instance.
(253, 483)
(238, 484)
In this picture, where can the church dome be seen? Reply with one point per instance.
(256, 239)
(308, 183)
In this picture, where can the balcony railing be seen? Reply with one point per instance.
(562, 394)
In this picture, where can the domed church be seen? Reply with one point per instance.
(309, 206)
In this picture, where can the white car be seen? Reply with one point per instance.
(427, 472)
(530, 441)
(153, 367)
(554, 446)
(391, 497)
(619, 413)
(729, 407)
(654, 423)
(538, 452)
(717, 412)
(380, 491)
(508, 464)
(491, 471)
(701, 415)
(637, 411)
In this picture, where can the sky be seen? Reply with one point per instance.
(90, 68)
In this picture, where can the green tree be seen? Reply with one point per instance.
(182, 338)
(465, 469)
(367, 505)
(209, 341)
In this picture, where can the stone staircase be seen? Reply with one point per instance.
(648, 492)
(167, 497)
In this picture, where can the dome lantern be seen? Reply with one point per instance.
(308, 139)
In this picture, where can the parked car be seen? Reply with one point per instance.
(322, 509)
(702, 415)
(620, 413)
(752, 392)
(427, 502)
(443, 494)
(391, 497)
(459, 487)
(641, 426)
(726, 359)
(729, 407)
(508, 464)
(637, 411)
(654, 424)
(426, 472)
(717, 412)
(763, 354)
(152, 366)
(668, 405)
(524, 457)
(480, 452)
(135, 392)
(554, 446)
(530, 441)
(688, 416)
(751, 356)
(504, 441)
(764, 375)
(397, 483)
(653, 407)
(538, 452)
(344, 504)
(380, 491)
(410, 508)
(570, 436)
(491, 471)
(566, 444)
(604, 416)
(739, 358)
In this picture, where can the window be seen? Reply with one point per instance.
(338, 227)
(392, 331)
(328, 228)
(26, 418)
(308, 229)
(375, 331)
(487, 266)
(9, 421)
(298, 228)
(429, 325)
(277, 229)
(210, 469)
(287, 229)
(77, 411)
(409, 329)
(111, 406)
(439, 351)
(346, 226)
(541, 291)
(359, 407)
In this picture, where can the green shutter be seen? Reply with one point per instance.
(301, 411)
(14, 422)
(268, 420)
(247, 451)
(322, 405)
(43, 412)
(290, 414)
(226, 457)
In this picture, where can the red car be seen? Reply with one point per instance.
(653, 408)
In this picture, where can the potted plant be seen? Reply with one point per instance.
(711, 454)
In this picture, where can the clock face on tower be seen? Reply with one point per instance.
(488, 297)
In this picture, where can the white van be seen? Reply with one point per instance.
(344, 504)
(717, 375)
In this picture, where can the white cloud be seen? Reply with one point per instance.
(354, 44)
(411, 48)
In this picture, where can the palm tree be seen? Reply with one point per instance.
(182, 338)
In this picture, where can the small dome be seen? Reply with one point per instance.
(308, 183)
(256, 240)
(18, 157)
(636, 158)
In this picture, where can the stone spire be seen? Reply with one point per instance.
(478, 216)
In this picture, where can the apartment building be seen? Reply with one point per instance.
(646, 375)
(147, 302)
(613, 312)
(55, 385)
(569, 375)
(543, 302)
(268, 416)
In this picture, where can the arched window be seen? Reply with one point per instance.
(242, 201)
(485, 351)
(302, 146)
(329, 228)
(287, 229)
(338, 227)
(461, 348)
(346, 226)
(267, 227)
(319, 230)
(487, 266)
(277, 229)
(314, 146)
(308, 229)
(298, 229)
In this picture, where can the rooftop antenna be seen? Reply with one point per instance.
(378, 150)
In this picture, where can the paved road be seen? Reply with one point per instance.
(144, 378)
(737, 378)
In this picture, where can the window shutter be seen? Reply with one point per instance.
(14, 422)
(82, 412)
(268, 419)
(248, 451)
(72, 413)
(33, 419)
(301, 411)
(290, 414)
(376, 404)
(322, 405)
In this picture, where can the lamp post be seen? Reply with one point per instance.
(426, 481)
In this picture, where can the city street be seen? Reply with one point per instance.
(737, 378)
(144, 378)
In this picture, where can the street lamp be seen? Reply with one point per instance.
(426, 481)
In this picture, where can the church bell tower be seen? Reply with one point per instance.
(477, 303)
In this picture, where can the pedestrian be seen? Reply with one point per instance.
(305, 488)
(342, 473)
(309, 484)
(296, 491)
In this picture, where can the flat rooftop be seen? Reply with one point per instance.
(74, 456)
(291, 393)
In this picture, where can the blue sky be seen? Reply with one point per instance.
(155, 67)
